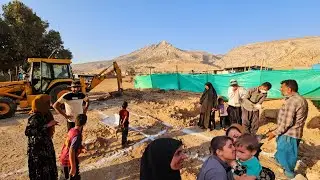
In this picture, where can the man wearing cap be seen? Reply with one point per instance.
(73, 102)
(235, 94)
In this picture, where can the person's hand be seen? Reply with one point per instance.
(233, 163)
(72, 172)
(83, 150)
(68, 117)
(235, 88)
(271, 135)
(214, 109)
(245, 177)
(257, 106)
(52, 123)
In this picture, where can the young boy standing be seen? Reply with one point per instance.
(124, 123)
(72, 148)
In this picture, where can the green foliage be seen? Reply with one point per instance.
(24, 34)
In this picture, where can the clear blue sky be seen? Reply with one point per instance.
(103, 29)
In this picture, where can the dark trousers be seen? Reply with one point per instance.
(250, 121)
(66, 171)
(212, 122)
(224, 122)
(125, 131)
(234, 114)
(70, 125)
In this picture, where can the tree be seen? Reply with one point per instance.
(52, 42)
(27, 35)
(6, 46)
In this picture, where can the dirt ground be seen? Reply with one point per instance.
(152, 111)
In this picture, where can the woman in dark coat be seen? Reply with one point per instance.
(39, 130)
(208, 103)
(162, 160)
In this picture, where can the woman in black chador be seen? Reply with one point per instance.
(208, 103)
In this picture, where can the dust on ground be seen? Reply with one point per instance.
(151, 111)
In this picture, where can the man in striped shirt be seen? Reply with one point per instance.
(291, 119)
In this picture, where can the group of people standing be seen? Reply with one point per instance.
(242, 107)
(242, 113)
(40, 130)
(233, 156)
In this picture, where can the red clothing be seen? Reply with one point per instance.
(64, 157)
(124, 116)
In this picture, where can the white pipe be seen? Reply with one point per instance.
(104, 161)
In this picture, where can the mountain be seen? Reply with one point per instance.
(164, 57)
(281, 54)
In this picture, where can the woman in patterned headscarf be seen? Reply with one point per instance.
(39, 130)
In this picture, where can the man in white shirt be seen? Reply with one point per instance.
(235, 94)
(73, 102)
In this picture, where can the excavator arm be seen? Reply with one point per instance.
(119, 76)
(91, 81)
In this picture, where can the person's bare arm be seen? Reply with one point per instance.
(57, 107)
(85, 109)
(231, 93)
(125, 119)
(244, 177)
(72, 160)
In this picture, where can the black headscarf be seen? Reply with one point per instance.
(156, 159)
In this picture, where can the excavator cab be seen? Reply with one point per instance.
(50, 76)
(45, 74)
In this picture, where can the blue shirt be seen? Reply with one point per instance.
(253, 165)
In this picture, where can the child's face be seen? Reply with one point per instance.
(221, 102)
(243, 153)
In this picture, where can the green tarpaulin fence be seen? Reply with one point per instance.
(308, 81)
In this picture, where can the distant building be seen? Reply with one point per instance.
(316, 66)
(246, 68)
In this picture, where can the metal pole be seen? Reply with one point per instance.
(17, 76)
(9, 72)
(40, 75)
(52, 53)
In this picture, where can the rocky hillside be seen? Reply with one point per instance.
(282, 54)
(163, 56)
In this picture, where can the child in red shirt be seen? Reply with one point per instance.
(124, 123)
(72, 148)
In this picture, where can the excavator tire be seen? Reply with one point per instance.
(7, 107)
(58, 91)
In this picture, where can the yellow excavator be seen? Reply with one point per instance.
(47, 76)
